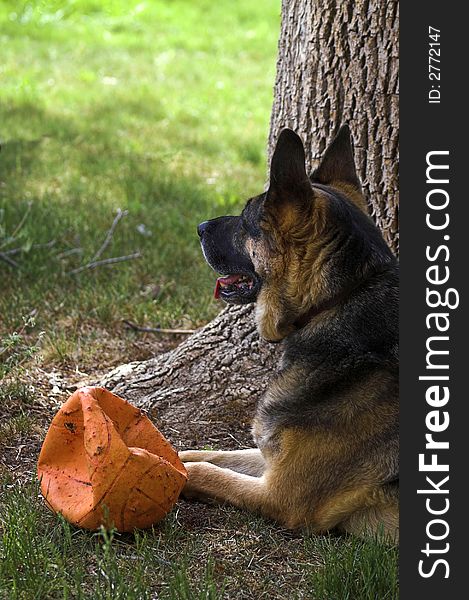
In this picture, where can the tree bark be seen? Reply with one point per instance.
(338, 62)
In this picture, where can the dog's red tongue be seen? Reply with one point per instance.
(224, 281)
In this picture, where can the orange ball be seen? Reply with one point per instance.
(104, 462)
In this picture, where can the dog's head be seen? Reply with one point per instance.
(300, 243)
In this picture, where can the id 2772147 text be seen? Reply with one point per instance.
(434, 67)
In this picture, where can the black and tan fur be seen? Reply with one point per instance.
(326, 285)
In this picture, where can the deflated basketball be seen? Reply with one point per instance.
(104, 462)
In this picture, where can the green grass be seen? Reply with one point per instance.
(354, 569)
(15, 349)
(159, 108)
(42, 556)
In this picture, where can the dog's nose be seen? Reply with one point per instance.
(201, 228)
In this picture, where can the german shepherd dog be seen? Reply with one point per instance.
(325, 284)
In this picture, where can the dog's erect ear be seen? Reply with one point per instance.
(287, 168)
(289, 182)
(337, 168)
(290, 187)
(337, 164)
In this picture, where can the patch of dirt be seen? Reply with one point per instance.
(36, 393)
(255, 558)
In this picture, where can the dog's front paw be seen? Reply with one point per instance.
(197, 476)
(191, 455)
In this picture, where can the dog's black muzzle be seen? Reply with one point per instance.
(223, 246)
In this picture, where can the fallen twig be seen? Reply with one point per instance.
(70, 252)
(9, 261)
(12, 237)
(106, 261)
(120, 214)
(33, 247)
(157, 329)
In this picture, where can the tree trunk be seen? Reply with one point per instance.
(338, 62)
